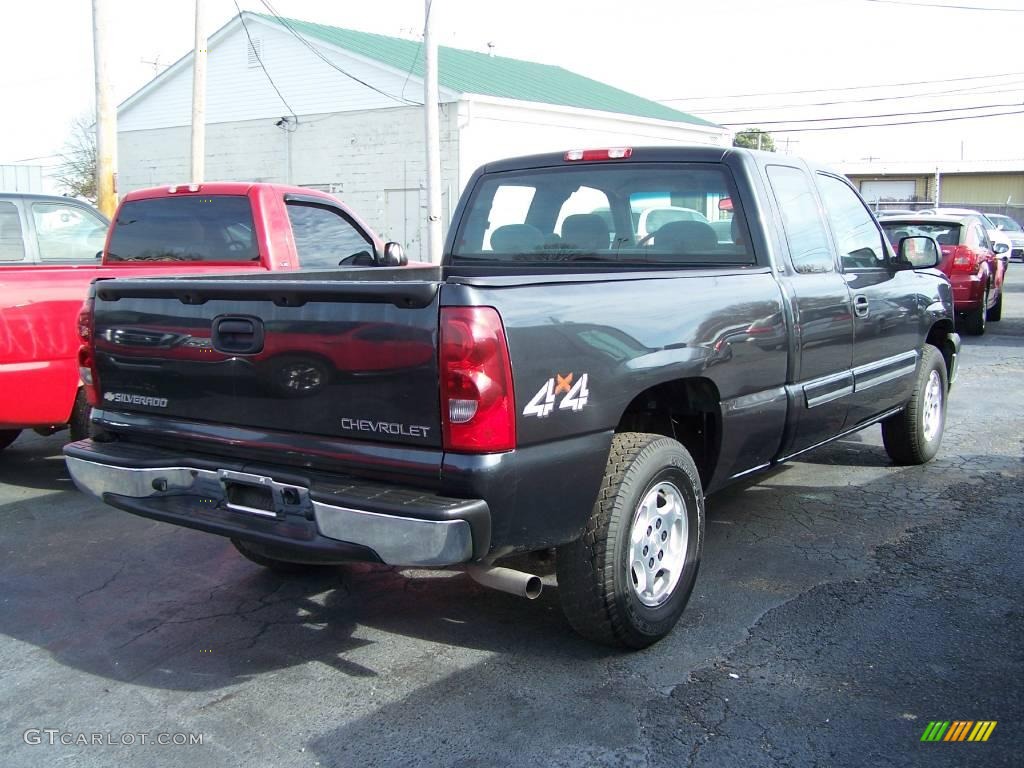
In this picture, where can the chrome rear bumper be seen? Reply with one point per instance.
(286, 514)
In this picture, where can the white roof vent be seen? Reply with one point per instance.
(255, 50)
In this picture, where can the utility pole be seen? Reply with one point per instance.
(431, 134)
(106, 115)
(199, 97)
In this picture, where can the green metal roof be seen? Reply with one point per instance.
(480, 73)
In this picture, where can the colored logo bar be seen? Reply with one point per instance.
(959, 730)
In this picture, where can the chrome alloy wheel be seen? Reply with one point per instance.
(931, 416)
(658, 540)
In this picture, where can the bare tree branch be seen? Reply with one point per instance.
(76, 173)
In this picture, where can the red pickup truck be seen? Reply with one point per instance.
(51, 249)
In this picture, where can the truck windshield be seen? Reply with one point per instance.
(192, 228)
(666, 214)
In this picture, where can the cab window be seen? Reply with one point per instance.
(857, 237)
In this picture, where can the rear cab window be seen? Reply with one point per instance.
(12, 244)
(635, 214)
(216, 228)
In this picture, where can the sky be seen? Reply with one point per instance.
(704, 58)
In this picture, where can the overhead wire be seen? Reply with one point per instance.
(943, 6)
(319, 54)
(903, 122)
(874, 117)
(259, 59)
(957, 92)
(844, 88)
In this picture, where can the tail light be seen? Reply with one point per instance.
(478, 413)
(964, 260)
(86, 352)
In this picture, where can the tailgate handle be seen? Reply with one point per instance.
(237, 334)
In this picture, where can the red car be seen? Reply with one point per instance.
(968, 259)
(52, 248)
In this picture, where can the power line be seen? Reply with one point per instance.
(844, 88)
(904, 122)
(419, 47)
(874, 117)
(316, 51)
(976, 90)
(260, 60)
(942, 6)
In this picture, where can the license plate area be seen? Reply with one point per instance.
(260, 495)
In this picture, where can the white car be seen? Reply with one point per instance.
(1012, 230)
(995, 234)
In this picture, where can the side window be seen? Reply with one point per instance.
(12, 247)
(585, 221)
(986, 243)
(805, 231)
(325, 239)
(67, 232)
(975, 239)
(509, 209)
(857, 237)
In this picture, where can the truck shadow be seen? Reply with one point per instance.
(36, 462)
(158, 606)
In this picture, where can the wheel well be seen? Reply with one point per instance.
(687, 410)
(938, 337)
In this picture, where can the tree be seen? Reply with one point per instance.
(754, 138)
(76, 173)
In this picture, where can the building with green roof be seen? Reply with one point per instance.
(336, 109)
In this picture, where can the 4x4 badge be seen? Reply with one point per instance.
(575, 396)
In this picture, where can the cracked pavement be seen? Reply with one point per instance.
(843, 603)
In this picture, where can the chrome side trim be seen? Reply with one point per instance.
(883, 371)
(399, 541)
(824, 390)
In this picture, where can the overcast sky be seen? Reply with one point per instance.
(694, 53)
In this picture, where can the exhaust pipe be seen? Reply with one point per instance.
(507, 580)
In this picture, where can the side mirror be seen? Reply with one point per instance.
(918, 252)
(394, 255)
(99, 254)
(1000, 247)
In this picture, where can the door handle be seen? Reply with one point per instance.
(860, 305)
(238, 334)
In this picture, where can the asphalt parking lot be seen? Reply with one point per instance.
(843, 604)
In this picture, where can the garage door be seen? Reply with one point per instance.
(874, 191)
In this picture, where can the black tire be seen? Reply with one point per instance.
(79, 424)
(595, 581)
(905, 435)
(8, 436)
(995, 314)
(974, 321)
(263, 556)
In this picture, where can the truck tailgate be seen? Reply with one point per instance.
(348, 354)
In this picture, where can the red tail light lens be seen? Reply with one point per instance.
(86, 353)
(478, 413)
(964, 260)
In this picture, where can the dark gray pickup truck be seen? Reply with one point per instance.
(612, 335)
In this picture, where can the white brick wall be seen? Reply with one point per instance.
(373, 155)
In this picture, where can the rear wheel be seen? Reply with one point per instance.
(996, 313)
(8, 436)
(265, 556)
(626, 581)
(79, 425)
(914, 435)
(974, 321)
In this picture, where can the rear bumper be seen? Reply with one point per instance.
(968, 292)
(322, 520)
